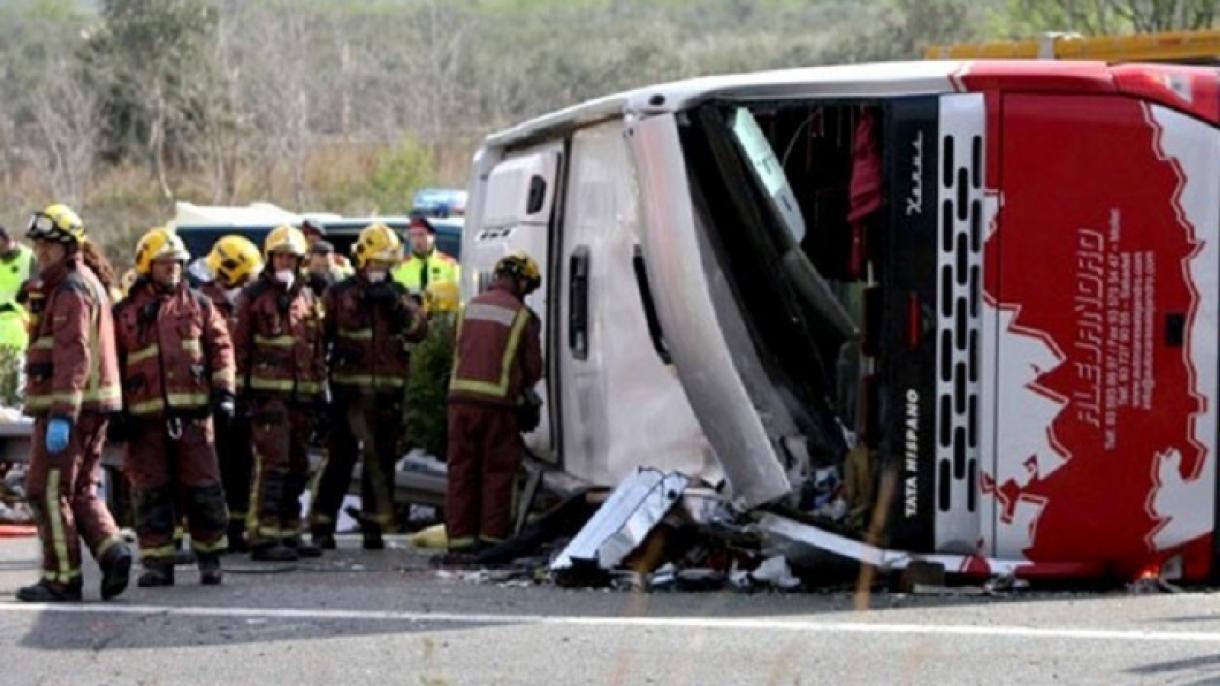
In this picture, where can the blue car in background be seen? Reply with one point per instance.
(439, 203)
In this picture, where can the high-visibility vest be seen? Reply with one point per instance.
(417, 272)
(15, 269)
(14, 323)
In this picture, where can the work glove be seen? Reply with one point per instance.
(224, 405)
(58, 431)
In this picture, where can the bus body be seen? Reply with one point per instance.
(997, 278)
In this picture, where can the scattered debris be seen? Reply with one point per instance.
(621, 524)
(775, 571)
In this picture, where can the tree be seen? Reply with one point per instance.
(399, 173)
(152, 62)
(1099, 17)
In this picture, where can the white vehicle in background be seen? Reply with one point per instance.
(999, 278)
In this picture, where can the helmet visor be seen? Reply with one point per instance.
(40, 224)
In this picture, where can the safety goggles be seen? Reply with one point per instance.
(40, 224)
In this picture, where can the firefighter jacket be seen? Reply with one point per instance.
(174, 352)
(368, 328)
(499, 350)
(71, 365)
(417, 272)
(216, 294)
(277, 339)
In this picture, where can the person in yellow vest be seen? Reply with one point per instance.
(17, 265)
(426, 265)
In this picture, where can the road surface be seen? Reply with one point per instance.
(386, 618)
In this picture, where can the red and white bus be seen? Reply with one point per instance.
(997, 278)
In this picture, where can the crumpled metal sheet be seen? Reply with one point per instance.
(622, 523)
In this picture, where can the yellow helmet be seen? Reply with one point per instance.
(234, 259)
(284, 238)
(442, 296)
(57, 223)
(520, 265)
(158, 244)
(377, 242)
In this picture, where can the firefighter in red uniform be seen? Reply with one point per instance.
(234, 262)
(72, 386)
(370, 319)
(498, 357)
(177, 367)
(280, 374)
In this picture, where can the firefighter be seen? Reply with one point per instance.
(322, 272)
(426, 264)
(234, 262)
(370, 320)
(497, 360)
(72, 387)
(177, 367)
(280, 373)
(315, 232)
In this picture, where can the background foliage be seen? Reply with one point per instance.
(121, 107)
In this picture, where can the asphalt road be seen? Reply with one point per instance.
(386, 618)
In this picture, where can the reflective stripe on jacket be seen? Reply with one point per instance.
(71, 365)
(174, 352)
(499, 350)
(277, 340)
(367, 338)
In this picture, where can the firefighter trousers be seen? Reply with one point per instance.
(173, 470)
(280, 433)
(484, 454)
(62, 493)
(236, 465)
(365, 427)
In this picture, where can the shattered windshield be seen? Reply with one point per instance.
(777, 186)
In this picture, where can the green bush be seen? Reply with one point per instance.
(427, 386)
(11, 360)
(400, 171)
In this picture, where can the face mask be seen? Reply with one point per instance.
(375, 277)
(286, 277)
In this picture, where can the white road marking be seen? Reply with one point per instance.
(715, 623)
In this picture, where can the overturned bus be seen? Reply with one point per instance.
(993, 283)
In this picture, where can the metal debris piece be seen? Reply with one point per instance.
(620, 525)
(774, 571)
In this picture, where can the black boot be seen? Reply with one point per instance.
(302, 548)
(50, 592)
(454, 559)
(372, 537)
(325, 540)
(273, 552)
(157, 573)
(116, 569)
(209, 570)
(237, 536)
